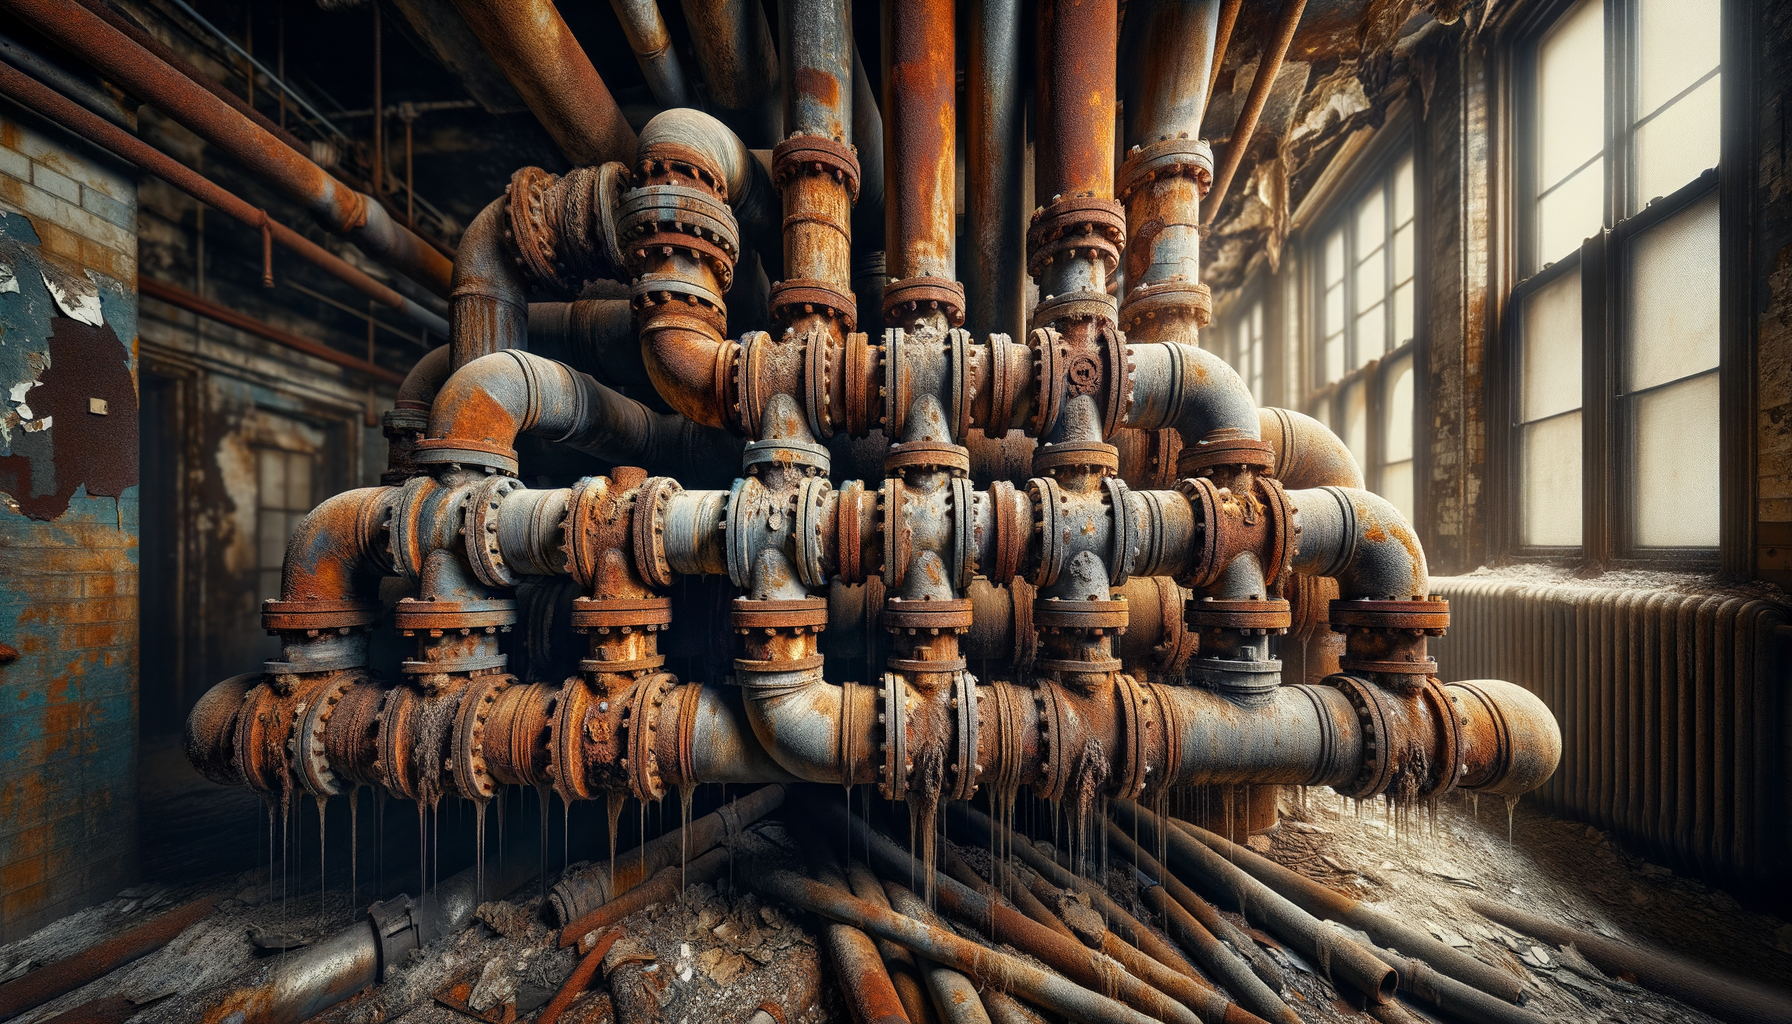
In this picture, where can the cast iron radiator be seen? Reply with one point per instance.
(1673, 711)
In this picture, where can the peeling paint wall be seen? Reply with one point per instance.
(68, 527)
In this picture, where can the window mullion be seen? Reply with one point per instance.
(1597, 435)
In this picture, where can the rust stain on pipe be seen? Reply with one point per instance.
(1074, 101)
(186, 300)
(920, 129)
(70, 973)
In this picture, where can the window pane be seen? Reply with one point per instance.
(1403, 192)
(1570, 214)
(1396, 486)
(1672, 309)
(1674, 479)
(1679, 44)
(1334, 259)
(1679, 143)
(1397, 421)
(1402, 314)
(1371, 223)
(270, 528)
(298, 481)
(1371, 279)
(1571, 93)
(1334, 309)
(1550, 371)
(1371, 335)
(268, 583)
(1403, 254)
(1356, 421)
(1334, 358)
(271, 467)
(1549, 501)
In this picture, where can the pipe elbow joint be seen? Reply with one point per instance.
(337, 554)
(1363, 541)
(796, 717)
(1511, 743)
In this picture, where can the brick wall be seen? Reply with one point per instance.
(68, 526)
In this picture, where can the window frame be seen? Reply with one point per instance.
(1371, 168)
(1606, 525)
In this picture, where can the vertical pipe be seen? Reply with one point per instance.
(740, 66)
(995, 226)
(1075, 97)
(920, 123)
(646, 30)
(1268, 66)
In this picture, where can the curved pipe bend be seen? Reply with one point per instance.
(339, 551)
(496, 397)
(1362, 540)
(686, 134)
(489, 305)
(1308, 454)
(798, 718)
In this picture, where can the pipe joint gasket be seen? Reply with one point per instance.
(965, 768)
(918, 296)
(1004, 386)
(432, 616)
(1376, 718)
(849, 520)
(1125, 533)
(1258, 616)
(812, 458)
(1052, 615)
(1073, 227)
(464, 664)
(317, 616)
(306, 749)
(893, 773)
(1212, 452)
(1089, 456)
(625, 615)
(452, 454)
(793, 299)
(642, 725)
(1050, 524)
(824, 394)
(964, 548)
(804, 614)
(1203, 498)
(811, 515)
(928, 455)
(1118, 400)
(1077, 305)
(963, 358)
(471, 776)
(1430, 617)
(1181, 157)
(930, 616)
(816, 154)
(1013, 525)
(1137, 727)
(1166, 300)
(898, 536)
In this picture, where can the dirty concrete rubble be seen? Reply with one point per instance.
(894, 512)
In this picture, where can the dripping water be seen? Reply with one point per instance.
(323, 875)
(478, 852)
(1511, 806)
(541, 805)
(617, 800)
(565, 834)
(354, 851)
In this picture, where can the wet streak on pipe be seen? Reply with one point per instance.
(1275, 49)
(336, 206)
(91, 127)
(646, 30)
(536, 50)
(995, 212)
(920, 124)
(1074, 99)
(816, 55)
(734, 48)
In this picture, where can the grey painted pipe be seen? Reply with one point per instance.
(995, 211)
(645, 28)
(1360, 538)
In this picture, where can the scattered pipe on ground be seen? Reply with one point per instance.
(577, 895)
(580, 979)
(337, 207)
(661, 887)
(1166, 894)
(1338, 959)
(900, 963)
(1323, 902)
(1418, 981)
(1717, 992)
(45, 983)
(954, 996)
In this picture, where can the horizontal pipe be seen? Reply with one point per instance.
(60, 109)
(337, 207)
(149, 287)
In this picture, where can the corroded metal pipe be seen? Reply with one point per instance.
(734, 48)
(1275, 50)
(337, 207)
(995, 210)
(535, 49)
(920, 114)
(652, 43)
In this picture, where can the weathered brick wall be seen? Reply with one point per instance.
(68, 526)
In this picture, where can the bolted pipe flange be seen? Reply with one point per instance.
(642, 725)
(1212, 452)
(849, 520)
(483, 551)
(928, 455)
(793, 299)
(1385, 640)
(813, 458)
(471, 776)
(1376, 721)
(1138, 726)
(964, 548)
(811, 516)
(1078, 305)
(893, 773)
(1118, 397)
(965, 769)
(816, 154)
(898, 536)
(1258, 616)
(1049, 526)
(306, 748)
(656, 216)
(1180, 157)
(1204, 500)
(1097, 457)
(1050, 355)
(927, 616)
(1004, 388)
(451, 454)
(1125, 534)
(566, 740)
(962, 356)
(919, 296)
(824, 396)
(1012, 521)
(1168, 301)
(802, 614)
(1076, 227)
(532, 232)
(864, 372)
(648, 526)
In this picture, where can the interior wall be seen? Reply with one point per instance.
(68, 526)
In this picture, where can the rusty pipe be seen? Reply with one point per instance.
(818, 173)
(58, 108)
(1074, 99)
(986, 966)
(1323, 902)
(859, 966)
(1222, 40)
(537, 52)
(1307, 453)
(488, 402)
(919, 137)
(1168, 48)
(739, 62)
(1361, 540)
(488, 305)
(338, 551)
(815, 61)
(408, 419)
(1275, 50)
(688, 134)
(647, 35)
(955, 997)
(1347, 962)
(995, 211)
(595, 336)
(337, 207)
(1424, 984)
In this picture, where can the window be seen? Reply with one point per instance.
(284, 493)
(1614, 327)
(1244, 348)
(1362, 361)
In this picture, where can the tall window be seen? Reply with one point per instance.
(1244, 348)
(1615, 323)
(284, 493)
(1362, 360)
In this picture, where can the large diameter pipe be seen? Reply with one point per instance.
(1074, 100)
(1168, 47)
(337, 207)
(536, 50)
(1717, 992)
(1348, 962)
(646, 30)
(815, 51)
(1275, 50)
(920, 118)
(309, 981)
(95, 129)
(1323, 902)
(995, 212)
(740, 65)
